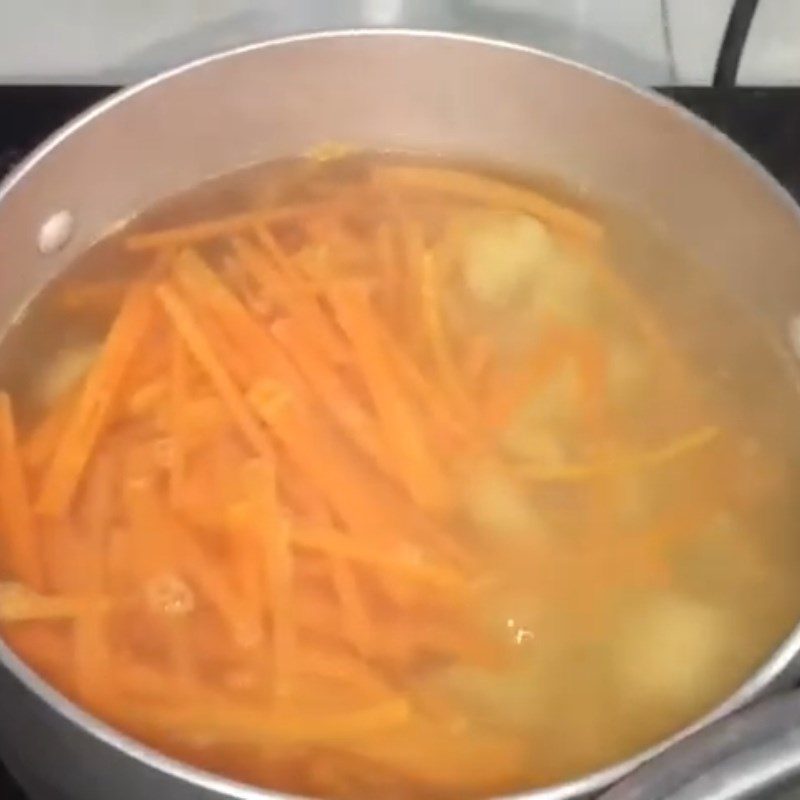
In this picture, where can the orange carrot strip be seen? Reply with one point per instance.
(424, 392)
(146, 398)
(329, 387)
(355, 617)
(18, 604)
(334, 543)
(206, 290)
(202, 571)
(99, 506)
(509, 390)
(193, 233)
(93, 409)
(178, 391)
(203, 352)
(416, 465)
(283, 284)
(569, 473)
(92, 658)
(437, 336)
(223, 720)
(21, 536)
(490, 192)
(361, 498)
(273, 526)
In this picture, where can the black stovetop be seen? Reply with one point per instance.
(766, 122)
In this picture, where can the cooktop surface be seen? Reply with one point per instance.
(765, 122)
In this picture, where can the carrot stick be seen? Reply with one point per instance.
(416, 465)
(334, 543)
(510, 388)
(206, 290)
(224, 721)
(212, 584)
(94, 406)
(282, 283)
(427, 394)
(196, 232)
(18, 604)
(273, 526)
(681, 446)
(492, 193)
(99, 507)
(361, 499)
(178, 391)
(437, 336)
(92, 658)
(355, 617)
(202, 351)
(328, 386)
(21, 536)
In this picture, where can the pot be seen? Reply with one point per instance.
(752, 754)
(464, 97)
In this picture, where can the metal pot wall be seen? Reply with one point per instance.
(753, 754)
(463, 97)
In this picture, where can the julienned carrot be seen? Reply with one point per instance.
(363, 500)
(21, 535)
(203, 352)
(178, 396)
(340, 402)
(273, 528)
(411, 565)
(355, 617)
(97, 513)
(92, 658)
(299, 303)
(249, 338)
(490, 192)
(425, 392)
(215, 586)
(223, 720)
(512, 385)
(402, 428)
(681, 446)
(146, 397)
(152, 548)
(93, 409)
(337, 662)
(196, 232)
(438, 339)
(18, 604)
(249, 568)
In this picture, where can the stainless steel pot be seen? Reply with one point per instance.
(753, 754)
(459, 96)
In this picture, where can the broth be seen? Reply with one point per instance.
(399, 479)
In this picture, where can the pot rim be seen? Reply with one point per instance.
(777, 670)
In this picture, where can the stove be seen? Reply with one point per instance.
(765, 122)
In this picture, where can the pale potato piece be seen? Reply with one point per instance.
(674, 651)
(503, 255)
(498, 507)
